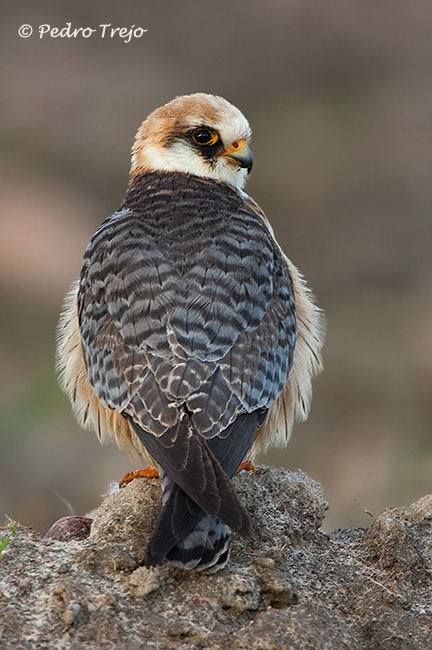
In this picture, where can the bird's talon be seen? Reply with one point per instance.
(149, 472)
(247, 466)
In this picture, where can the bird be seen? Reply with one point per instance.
(190, 338)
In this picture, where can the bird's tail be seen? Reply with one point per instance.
(201, 507)
(206, 548)
(187, 536)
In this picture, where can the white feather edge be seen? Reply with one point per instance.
(293, 404)
(88, 409)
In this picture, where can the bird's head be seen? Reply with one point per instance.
(199, 134)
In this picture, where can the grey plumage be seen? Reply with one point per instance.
(187, 320)
(191, 339)
(184, 298)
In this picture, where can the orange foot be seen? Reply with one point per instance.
(247, 466)
(149, 472)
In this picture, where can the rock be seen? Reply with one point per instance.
(289, 586)
(69, 528)
(144, 581)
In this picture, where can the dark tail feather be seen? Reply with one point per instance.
(205, 548)
(178, 517)
(232, 445)
(201, 506)
(191, 464)
(188, 537)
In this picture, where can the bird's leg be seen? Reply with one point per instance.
(149, 472)
(247, 466)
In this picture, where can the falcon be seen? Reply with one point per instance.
(190, 338)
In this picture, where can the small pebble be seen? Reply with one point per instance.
(70, 528)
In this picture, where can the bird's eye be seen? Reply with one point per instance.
(204, 136)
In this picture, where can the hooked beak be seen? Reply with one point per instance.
(239, 154)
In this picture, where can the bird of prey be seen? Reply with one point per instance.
(190, 338)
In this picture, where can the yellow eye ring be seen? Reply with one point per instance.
(205, 137)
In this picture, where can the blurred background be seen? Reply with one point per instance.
(339, 96)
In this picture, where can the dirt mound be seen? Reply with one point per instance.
(289, 586)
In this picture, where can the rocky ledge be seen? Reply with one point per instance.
(289, 586)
